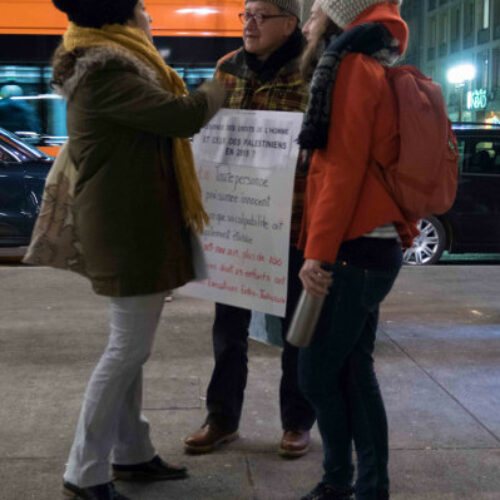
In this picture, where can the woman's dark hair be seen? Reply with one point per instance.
(311, 54)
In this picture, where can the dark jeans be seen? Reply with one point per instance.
(229, 377)
(336, 371)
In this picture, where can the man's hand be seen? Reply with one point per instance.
(315, 279)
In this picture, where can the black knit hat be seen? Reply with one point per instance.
(96, 13)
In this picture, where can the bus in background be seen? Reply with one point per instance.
(191, 35)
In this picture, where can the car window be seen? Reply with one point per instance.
(461, 151)
(14, 142)
(483, 158)
(6, 156)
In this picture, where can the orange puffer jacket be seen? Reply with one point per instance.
(345, 198)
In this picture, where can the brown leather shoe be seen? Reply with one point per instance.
(209, 437)
(294, 444)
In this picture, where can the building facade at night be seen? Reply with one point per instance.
(450, 33)
(413, 13)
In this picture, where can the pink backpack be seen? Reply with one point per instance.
(423, 181)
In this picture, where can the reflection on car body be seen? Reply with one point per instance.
(473, 222)
(23, 169)
(471, 225)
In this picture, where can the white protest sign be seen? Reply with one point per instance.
(245, 161)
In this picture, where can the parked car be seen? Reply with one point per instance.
(23, 169)
(473, 222)
(49, 144)
(471, 225)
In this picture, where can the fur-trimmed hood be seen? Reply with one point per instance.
(70, 68)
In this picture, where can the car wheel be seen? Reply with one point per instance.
(429, 245)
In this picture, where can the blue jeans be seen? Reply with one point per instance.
(336, 372)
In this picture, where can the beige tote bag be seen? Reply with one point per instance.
(54, 242)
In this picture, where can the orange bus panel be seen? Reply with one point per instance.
(170, 17)
(50, 150)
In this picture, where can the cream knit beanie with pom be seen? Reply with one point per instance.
(344, 12)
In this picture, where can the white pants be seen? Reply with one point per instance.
(110, 419)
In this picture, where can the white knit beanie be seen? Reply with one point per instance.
(344, 12)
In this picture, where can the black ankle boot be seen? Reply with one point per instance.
(154, 470)
(325, 491)
(104, 491)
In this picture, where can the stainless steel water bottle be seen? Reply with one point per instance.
(304, 319)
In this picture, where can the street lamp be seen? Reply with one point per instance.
(459, 75)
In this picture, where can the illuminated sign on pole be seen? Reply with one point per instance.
(477, 99)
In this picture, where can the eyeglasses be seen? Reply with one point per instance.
(246, 17)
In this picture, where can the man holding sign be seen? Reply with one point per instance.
(262, 75)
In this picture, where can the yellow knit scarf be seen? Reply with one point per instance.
(136, 42)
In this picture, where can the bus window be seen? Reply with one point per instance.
(30, 108)
(19, 110)
(194, 77)
(190, 36)
(55, 108)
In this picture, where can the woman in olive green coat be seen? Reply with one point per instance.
(137, 204)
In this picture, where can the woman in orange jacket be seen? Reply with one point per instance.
(352, 233)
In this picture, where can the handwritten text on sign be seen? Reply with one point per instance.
(245, 161)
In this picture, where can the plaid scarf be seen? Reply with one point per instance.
(372, 39)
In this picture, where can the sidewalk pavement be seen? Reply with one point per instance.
(438, 359)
